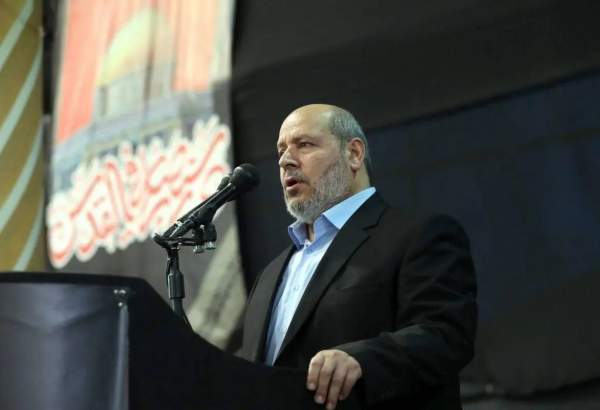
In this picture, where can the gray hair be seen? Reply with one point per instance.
(344, 126)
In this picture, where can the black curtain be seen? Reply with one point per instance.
(388, 62)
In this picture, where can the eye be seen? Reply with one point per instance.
(303, 144)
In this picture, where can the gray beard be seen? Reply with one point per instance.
(330, 189)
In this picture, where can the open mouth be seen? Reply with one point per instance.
(291, 181)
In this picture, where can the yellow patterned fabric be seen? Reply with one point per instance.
(21, 153)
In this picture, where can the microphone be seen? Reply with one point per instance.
(243, 179)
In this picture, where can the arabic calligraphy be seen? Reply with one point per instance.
(118, 199)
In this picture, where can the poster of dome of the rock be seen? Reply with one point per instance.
(141, 134)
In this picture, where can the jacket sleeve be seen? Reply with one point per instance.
(435, 320)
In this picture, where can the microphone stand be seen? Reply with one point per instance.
(204, 237)
(175, 283)
(199, 221)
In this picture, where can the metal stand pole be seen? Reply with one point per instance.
(175, 283)
(204, 237)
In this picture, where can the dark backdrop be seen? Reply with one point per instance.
(485, 110)
(388, 62)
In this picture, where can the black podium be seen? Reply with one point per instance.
(107, 342)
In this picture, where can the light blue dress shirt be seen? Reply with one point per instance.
(302, 266)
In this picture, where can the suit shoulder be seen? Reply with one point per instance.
(421, 223)
(416, 218)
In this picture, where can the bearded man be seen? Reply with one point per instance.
(368, 298)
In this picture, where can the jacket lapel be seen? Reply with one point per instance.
(259, 312)
(348, 239)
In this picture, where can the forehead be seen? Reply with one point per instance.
(298, 125)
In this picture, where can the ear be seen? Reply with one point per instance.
(355, 153)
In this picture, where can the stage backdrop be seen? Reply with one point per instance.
(141, 134)
(21, 137)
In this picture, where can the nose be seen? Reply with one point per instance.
(287, 160)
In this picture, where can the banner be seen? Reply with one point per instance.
(141, 135)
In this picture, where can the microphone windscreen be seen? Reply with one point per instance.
(224, 182)
(244, 177)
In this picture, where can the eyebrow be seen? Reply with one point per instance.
(296, 139)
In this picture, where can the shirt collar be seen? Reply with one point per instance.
(333, 218)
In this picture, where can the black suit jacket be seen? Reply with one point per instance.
(395, 291)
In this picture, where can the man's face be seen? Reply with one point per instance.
(313, 173)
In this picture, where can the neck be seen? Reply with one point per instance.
(310, 232)
(360, 182)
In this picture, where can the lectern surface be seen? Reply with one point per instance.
(85, 341)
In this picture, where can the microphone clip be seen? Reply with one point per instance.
(204, 237)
